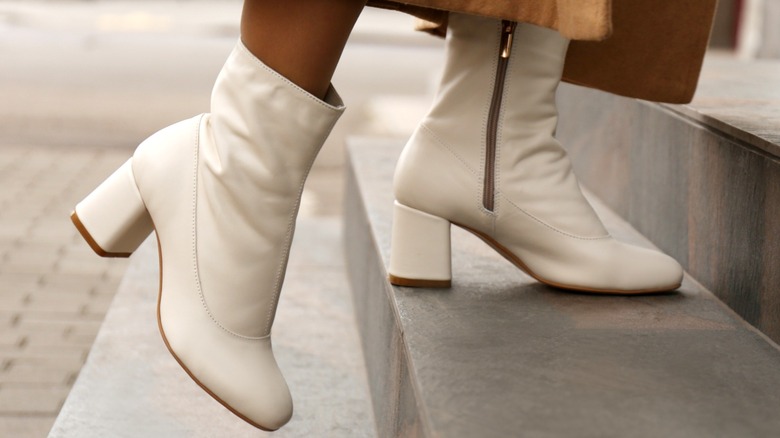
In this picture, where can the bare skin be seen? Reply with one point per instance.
(302, 40)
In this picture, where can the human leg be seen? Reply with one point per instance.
(302, 40)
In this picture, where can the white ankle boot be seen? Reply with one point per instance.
(485, 159)
(222, 190)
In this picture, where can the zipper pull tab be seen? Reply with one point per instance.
(507, 33)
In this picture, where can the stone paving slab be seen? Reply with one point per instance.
(132, 387)
(50, 306)
(500, 354)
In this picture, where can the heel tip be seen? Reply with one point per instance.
(91, 242)
(408, 282)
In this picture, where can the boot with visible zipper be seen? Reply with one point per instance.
(222, 191)
(485, 159)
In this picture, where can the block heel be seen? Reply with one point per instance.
(113, 219)
(420, 252)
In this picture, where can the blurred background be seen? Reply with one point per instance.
(82, 82)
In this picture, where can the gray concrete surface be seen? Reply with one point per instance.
(83, 82)
(739, 98)
(501, 355)
(701, 180)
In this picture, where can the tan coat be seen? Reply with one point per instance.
(648, 49)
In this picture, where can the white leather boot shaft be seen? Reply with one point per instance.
(223, 191)
(535, 214)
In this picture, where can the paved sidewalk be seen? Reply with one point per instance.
(54, 291)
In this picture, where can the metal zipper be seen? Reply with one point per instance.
(505, 49)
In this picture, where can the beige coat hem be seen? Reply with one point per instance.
(647, 49)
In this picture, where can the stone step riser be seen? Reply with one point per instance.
(499, 354)
(386, 360)
(707, 198)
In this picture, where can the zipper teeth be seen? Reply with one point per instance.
(505, 48)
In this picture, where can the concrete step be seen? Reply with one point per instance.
(702, 181)
(131, 386)
(501, 355)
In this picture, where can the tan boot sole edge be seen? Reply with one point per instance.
(91, 242)
(184, 367)
(504, 252)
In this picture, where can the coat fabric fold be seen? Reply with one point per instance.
(646, 49)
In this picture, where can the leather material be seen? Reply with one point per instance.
(116, 231)
(223, 190)
(540, 214)
(421, 246)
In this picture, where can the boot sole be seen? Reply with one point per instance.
(434, 284)
(91, 241)
(512, 258)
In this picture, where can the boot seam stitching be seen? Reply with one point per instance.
(281, 267)
(574, 236)
(439, 142)
(196, 259)
(442, 144)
